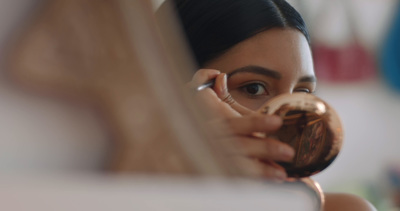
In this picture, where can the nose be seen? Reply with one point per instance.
(285, 91)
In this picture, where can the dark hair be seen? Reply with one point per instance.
(214, 26)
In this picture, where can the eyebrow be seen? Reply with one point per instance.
(258, 70)
(268, 72)
(308, 79)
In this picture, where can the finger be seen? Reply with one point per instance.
(263, 149)
(207, 98)
(217, 109)
(273, 170)
(221, 88)
(258, 169)
(246, 125)
(202, 76)
(271, 163)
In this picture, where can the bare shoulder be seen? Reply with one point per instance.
(346, 202)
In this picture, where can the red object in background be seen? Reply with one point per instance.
(346, 63)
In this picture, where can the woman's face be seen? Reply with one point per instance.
(271, 63)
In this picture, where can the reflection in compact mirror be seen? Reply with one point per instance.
(311, 127)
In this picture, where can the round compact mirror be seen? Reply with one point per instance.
(311, 127)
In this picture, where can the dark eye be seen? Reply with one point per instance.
(254, 89)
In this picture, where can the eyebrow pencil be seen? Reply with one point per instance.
(207, 84)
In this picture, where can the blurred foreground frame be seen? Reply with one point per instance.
(110, 55)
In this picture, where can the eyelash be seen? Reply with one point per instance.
(306, 90)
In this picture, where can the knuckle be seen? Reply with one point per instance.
(240, 146)
(202, 73)
(239, 142)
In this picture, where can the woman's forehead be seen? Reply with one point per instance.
(282, 50)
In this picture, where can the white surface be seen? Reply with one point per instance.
(151, 194)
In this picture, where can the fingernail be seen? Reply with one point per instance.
(216, 73)
(224, 88)
(280, 175)
(286, 151)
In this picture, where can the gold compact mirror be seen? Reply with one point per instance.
(311, 127)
